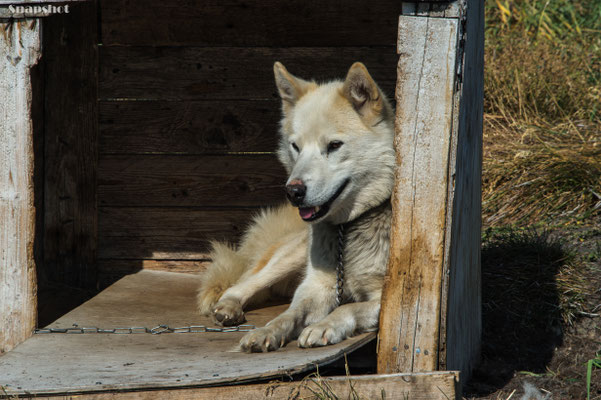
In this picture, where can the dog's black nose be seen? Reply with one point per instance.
(296, 191)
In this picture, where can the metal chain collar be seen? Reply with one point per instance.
(340, 265)
(157, 330)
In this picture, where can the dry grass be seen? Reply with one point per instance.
(542, 125)
(550, 288)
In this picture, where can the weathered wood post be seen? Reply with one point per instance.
(431, 317)
(20, 50)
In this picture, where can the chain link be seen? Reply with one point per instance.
(157, 330)
(160, 329)
(340, 265)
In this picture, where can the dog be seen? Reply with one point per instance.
(328, 248)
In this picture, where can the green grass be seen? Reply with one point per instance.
(591, 364)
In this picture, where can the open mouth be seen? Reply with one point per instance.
(316, 212)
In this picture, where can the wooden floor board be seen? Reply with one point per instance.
(87, 363)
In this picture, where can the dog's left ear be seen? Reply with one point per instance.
(289, 86)
(362, 92)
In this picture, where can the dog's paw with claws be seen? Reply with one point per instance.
(321, 334)
(262, 340)
(228, 312)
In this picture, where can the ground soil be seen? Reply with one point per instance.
(550, 356)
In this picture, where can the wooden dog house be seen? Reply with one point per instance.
(131, 132)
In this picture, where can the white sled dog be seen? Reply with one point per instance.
(337, 146)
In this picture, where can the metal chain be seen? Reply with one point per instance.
(340, 265)
(157, 330)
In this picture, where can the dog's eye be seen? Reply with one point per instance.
(334, 145)
(295, 147)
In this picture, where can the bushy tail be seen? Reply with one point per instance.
(224, 271)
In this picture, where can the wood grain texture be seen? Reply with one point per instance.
(194, 127)
(249, 23)
(464, 304)
(71, 127)
(90, 363)
(227, 73)
(419, 386)
(167, 180)
(110, 271)
(127, 267)
(409, 320)
(166, 233)
(20, 45)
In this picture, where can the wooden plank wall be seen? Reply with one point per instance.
(70, 146)
(188, 113)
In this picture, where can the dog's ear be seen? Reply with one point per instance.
(362, 92)
(289, 86)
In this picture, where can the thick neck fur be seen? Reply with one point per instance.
(365, 252)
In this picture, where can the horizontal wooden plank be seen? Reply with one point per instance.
(167, 180)
(92, 363)
(127, 267)
(166, 233)
(193, 73)
(110, 271)
(198, 127)
(419, 386)
(249, 23)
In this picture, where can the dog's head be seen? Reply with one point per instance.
(336, 144)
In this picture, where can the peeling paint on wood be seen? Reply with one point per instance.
(20, 48)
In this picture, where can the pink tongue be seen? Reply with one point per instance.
(306, 212)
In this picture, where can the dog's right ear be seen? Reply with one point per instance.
(289, 86)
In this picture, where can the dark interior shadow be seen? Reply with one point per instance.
(54, 298)
(57, 294)
(522, 321)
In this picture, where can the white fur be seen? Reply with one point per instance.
(354, 112)
(532, 393)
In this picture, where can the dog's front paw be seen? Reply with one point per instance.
(321, 334)
(228, 312)
(261, 340)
